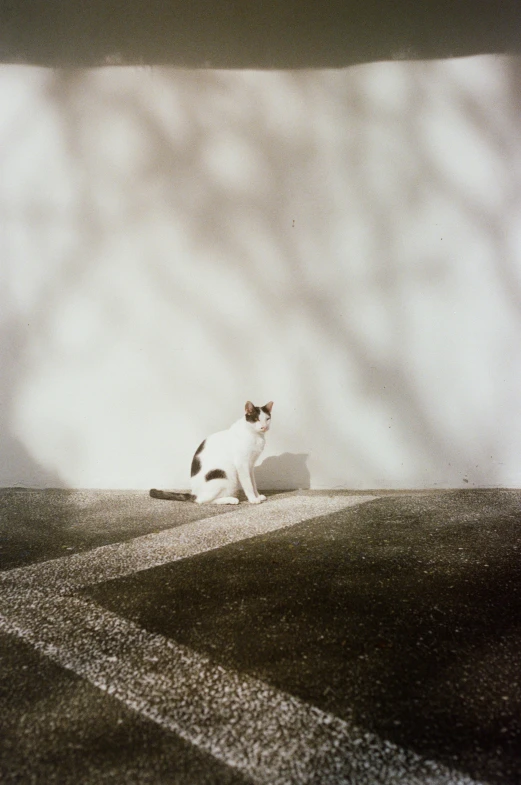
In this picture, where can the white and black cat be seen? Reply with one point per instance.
(225, 460)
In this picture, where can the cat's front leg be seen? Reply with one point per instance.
(254, 483)
(247, 485)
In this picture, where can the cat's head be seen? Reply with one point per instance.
(258, 416)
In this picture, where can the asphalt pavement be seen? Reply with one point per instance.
(319, 638)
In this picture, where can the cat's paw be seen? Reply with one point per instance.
(262, 497)
(255, 500)
(227, 500)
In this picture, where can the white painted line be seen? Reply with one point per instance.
(271, 737)
(152, 550)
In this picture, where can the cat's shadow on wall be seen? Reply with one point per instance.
(286, 472)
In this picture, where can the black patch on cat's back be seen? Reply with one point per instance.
(196, 463)
(215, 474)
(254, 416)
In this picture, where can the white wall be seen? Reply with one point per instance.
(346, 243)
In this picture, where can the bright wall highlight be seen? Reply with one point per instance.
(346, 243)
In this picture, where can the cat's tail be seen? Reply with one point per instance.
(172, 496)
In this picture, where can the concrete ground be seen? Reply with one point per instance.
(316, 638)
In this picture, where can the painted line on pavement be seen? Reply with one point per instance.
(107, 562)
(270, 736)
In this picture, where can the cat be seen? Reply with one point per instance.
(225, 460)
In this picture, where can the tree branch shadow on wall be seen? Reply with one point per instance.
(175, 169)
(19, 466)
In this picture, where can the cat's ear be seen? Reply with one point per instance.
(249, 407)
(268, 407)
